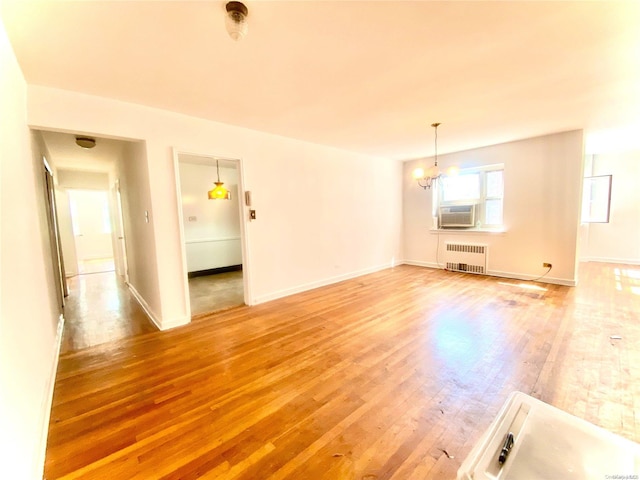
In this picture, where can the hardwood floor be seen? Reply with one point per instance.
(373, 378)
(100, 309)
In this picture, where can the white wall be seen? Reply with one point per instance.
(322, 214)
(211, 227)
(139, 222)
(543, 183)
(82, 180)
(28, 304)
(619, 240)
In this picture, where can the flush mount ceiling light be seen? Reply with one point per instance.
(426, 178)
(236, 21)
(219, 192)
(86, 142)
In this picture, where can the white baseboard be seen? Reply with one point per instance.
(178, 322)
(545, 279)
(145, 306)
(421, 264)
(162, 325)
(624, 261)
(511, 275)
(320, 283)
(47, 403)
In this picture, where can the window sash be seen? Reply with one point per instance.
(483, 200)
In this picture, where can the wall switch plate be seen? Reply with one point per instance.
(252, 214)
(193, 219)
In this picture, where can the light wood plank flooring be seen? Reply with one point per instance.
(373, 378)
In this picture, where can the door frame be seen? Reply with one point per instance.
(120, 253)
(243, 212)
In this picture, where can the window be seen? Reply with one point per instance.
(596, 199)
(482, 186)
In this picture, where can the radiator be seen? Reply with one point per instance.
(464, 257)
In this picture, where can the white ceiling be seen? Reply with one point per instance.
(366, 76)
(65, 154)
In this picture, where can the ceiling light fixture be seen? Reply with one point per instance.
(426, 179)
(236, 21)
(219, 192)
(86, 142)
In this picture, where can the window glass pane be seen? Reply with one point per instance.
(596, 199)
(495, 185)
(493, 212)
(106, 219)
(461, 187)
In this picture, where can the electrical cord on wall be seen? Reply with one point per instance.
(541, 276)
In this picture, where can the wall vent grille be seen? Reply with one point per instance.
(466, 257)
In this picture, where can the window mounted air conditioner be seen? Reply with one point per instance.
(457, 216)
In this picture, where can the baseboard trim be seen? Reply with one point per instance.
(511, 275)
(48, 399)
(161, 325)
(543, 279)
(623, 261)
(421, 264)
(214, 271)
(145, 306)
(320, 283)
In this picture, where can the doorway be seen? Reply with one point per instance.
(91, 224)
(211, 232)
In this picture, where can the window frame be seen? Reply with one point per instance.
(483, 170)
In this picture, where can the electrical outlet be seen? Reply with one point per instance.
(546, 265)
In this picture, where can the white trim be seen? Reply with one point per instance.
(626, 261)
(420, 264)
(181, 235)
(145, 306)
(519, 276)
(495, 273)
(208, 240)
(48, 400)
(320, 283)
(468, 231)
(243, 213)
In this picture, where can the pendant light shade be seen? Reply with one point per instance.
(219, 192)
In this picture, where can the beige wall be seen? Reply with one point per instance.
(542, 194)
(28, 303)
(619, 240)
(323, 214)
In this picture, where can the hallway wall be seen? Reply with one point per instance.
(323, 214)
(29, 312)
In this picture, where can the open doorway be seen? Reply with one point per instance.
(211, 232)
(100, 306)
(92, 235)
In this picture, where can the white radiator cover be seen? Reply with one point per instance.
(466, 257)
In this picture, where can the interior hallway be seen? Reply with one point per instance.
(100, 309)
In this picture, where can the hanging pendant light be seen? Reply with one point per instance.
(219, 192)
(426, 178)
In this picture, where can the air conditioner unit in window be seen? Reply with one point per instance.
(457, 216)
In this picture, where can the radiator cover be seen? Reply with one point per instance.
(466, 257)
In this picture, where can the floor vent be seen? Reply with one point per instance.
(465, 257)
